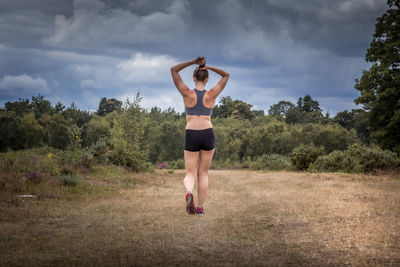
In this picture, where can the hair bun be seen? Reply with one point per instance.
(202, 66)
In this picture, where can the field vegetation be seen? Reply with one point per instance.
(117, 217)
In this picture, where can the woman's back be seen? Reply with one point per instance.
(198, 107)
(198, 122)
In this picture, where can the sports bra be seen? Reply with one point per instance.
(199, 108)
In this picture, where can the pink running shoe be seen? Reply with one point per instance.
(190, 208)
(199, 211)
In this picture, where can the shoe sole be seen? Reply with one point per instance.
(190, 208)
(200, 213)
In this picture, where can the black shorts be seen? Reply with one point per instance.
(196, 140)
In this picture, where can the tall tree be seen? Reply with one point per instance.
(307, 104)
(41, 106)
(354, 119)
(235, 108)
(59, 107)
(281, 108)
(108, 105)
(79, 117)
(58, 130)
(10, 135)
(307, 110)
(380, 85)
(20, 107)
(32, 133)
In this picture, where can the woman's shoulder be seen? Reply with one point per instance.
(208, 93)
(190, 96)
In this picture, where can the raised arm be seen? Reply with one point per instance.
(180, 85)
(217, 89)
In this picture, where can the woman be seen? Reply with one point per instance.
(199, 135)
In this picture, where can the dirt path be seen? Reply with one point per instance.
(252, 218)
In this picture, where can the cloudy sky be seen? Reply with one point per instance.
(82, 50)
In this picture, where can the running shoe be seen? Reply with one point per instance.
(190, 208)
(199, 211)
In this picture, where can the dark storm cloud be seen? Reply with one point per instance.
(45, 6)
(342, 26)
(25, 23)
(275, 49)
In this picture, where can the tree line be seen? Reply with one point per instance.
(240, 131)
(129, 135)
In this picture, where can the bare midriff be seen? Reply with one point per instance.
(198, 122)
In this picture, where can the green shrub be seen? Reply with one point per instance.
(304, 155)
(239, 139)
(357, 158)
(178, 164)
(269, 162)
(227, 164)
(331, 136)
(76, 158)
(128, 143)
(374, 158)
(334, 161)
(100, 150)
(34, 160)
(69, 179)
(98, 128)
(146, 167)
(86, 160)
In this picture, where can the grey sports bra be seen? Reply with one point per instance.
(199, 108)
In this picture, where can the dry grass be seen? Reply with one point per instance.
(252, 218)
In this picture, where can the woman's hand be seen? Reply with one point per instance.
(200, 61)
(204, 67)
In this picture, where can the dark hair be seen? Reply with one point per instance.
(201, 75)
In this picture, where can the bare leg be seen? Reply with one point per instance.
(204, 166)
(191, 163)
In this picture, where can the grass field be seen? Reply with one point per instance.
(116, 218)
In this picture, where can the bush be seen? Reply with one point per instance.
(357, 158)
(128, 143)
(304, 155)
(146, 167)
(74, 158)
(178, 164)
(331, 137)
(227, 164)
(35, 160)
(69, 180)
(269, 162)
(334, 161)
(100, 150)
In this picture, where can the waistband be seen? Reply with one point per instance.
(197, 131)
